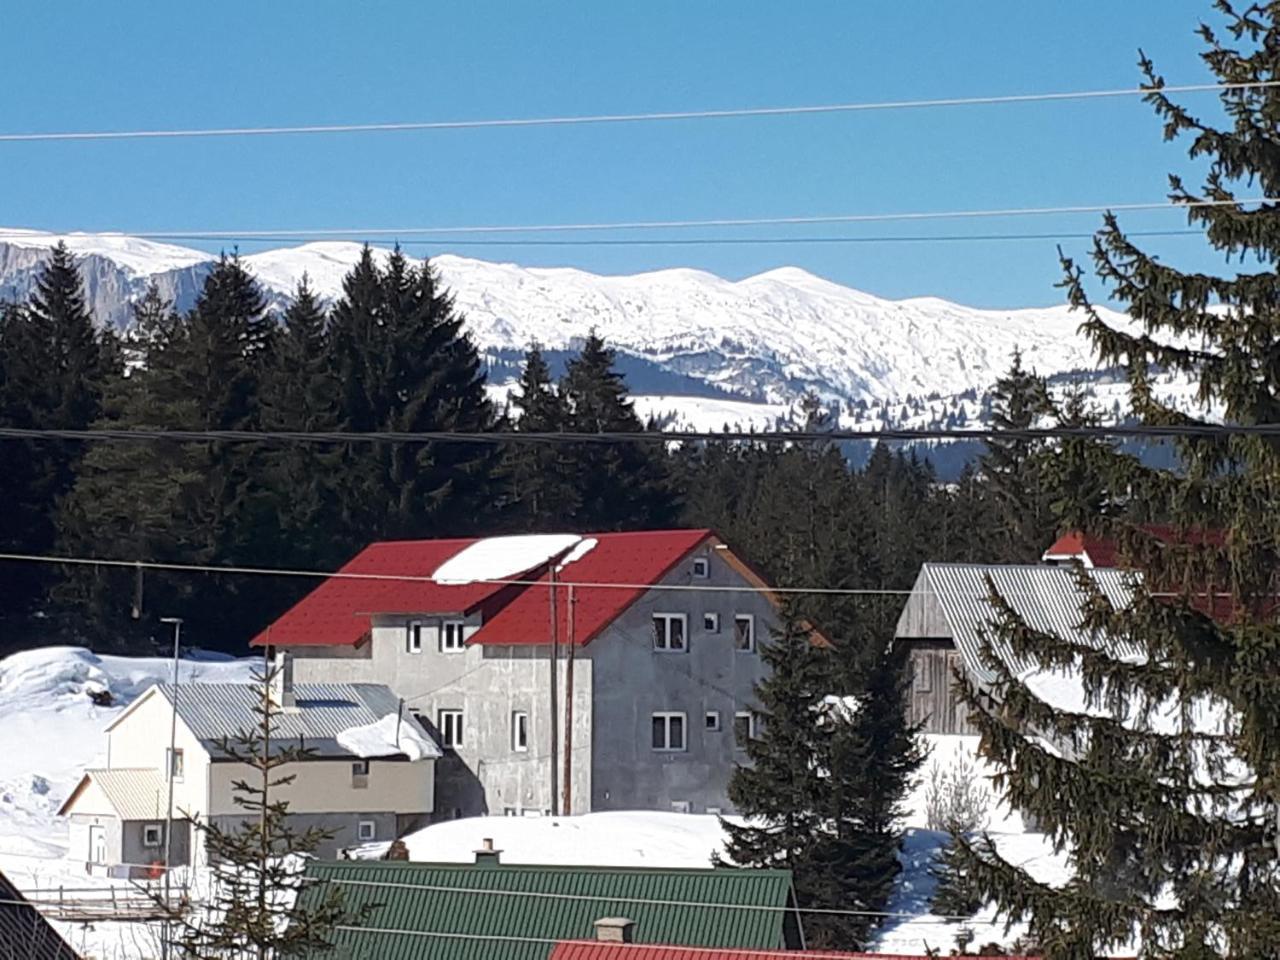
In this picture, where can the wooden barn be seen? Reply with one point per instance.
(946, 620)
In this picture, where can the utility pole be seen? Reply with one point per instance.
(173, 746)
(555, 655)
(567, 806)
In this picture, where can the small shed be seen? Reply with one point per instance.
(947, 618)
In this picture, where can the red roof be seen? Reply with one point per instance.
(1100, 552)
(614, 573)
(596, 950)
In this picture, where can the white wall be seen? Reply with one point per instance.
(141, 739)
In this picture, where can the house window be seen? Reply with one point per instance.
(680, 806)
(366, 830)
(711, 622)
(668, 732)
(701, 568)
(152, 834)
(520, 731)
(920, 677)
(744, 632)
(413, 636)
(451, 636)
(174, 762)
(712, 720)
(360, 774)
(669, 632)
(509, 812)
(744, 727)
(449, 723)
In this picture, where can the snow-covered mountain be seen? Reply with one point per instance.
(763, 340)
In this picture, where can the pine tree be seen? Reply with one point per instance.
(258, 906)
(538, 479)
(621, 486)
(1171, 825)
(406, 364)
(1012, 466)
(56, 369)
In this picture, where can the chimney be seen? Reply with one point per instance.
(615, 930)
(282, 682)
(487, 856)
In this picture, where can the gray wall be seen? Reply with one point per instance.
(633, 681)
(135, 852)
(932, 700)
(343, 826)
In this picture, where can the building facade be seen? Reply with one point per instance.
(657, 637)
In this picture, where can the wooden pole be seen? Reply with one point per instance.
(555, 655)
(567, 806)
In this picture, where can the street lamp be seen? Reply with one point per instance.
(173, 746)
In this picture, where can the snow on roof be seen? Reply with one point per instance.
(502, 558)
(393, 735)
(324, 711)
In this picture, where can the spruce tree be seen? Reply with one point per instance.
(406, 364)
(538, 479)
(258, 906)
(1011, 466)
(621, 486)
(1165, 794)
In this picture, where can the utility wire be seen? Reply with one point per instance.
(610, 118)
(394, 232)
(711, 241)
(1158, 431)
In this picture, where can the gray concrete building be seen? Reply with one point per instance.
(653, 691)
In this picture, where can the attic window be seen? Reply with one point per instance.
(701, 568)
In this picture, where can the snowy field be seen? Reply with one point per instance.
(52, 731)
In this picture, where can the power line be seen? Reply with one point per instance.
(642, 901)
(905, 434)
(614, 118)
(394, 232)
(710, 241)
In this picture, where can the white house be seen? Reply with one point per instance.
(369, 775)
(657, 637)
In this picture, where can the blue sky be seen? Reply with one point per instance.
(83, 65)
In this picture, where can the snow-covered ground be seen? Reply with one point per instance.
(52, 731)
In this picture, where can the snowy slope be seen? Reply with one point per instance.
(765, 338)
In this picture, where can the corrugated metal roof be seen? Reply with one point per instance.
(1048, 599)
(216, 710)
(136, 793)
(465, 909)
(596, 950)
(338, 612)
(24, 932)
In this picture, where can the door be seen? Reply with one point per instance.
(97, 844)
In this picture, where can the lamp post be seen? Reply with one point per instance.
(173, 746)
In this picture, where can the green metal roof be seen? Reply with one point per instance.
(487, 900)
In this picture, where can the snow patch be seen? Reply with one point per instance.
(390, 736)
(501, 558)
(580, 550)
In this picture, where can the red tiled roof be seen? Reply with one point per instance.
(1103, 553)
(338, 612)
(597, 950)
(639, 559)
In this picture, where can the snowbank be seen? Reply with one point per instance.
(498, 558)
(617, 839)
(388, 737)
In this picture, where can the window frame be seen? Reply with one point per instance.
(413, 630)
(713, 716)
(667, 716)
(453, 738)
(701, 568)
(360, 774)
(175, 763)
(520, 731)
(711, 623)
(667, 619)
(147, 828)
(750, 717)
(750, 620)
(372, 832)
(459, 642)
